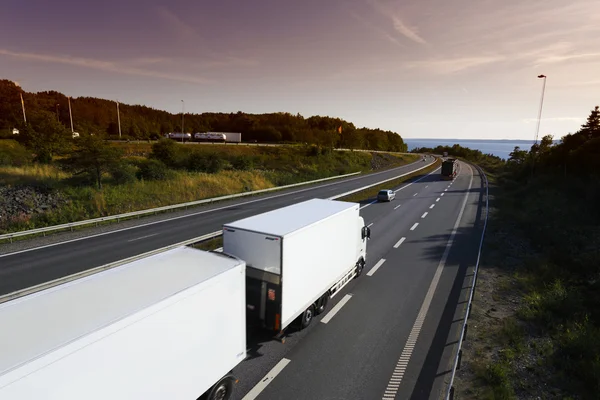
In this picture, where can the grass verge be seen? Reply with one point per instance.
(534, 330)
(372, 191)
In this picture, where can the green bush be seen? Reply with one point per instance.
(243, 163)
(153, 170)
(167, 151)
(124, 173)
(13, 154)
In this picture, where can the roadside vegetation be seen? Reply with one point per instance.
(42, 185)
(534, 330)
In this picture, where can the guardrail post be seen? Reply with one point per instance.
(451, 397)
(466, 330)
(71, 228)
(458, 361)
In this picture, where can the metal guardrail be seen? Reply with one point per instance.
(156, 210)
(463, 332)
(78, 275)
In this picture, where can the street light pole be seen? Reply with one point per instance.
(70, 114)
(537, 130)
(182, 113)
(23, 105)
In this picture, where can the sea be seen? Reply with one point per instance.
(500, 148)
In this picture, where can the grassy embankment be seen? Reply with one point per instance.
(242, 168)
(534, 330)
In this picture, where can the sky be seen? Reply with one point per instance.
(421, 68)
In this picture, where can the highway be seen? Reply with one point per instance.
(40, 261)
(390, 334)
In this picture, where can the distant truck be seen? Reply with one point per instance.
(449, 168)
(233, 137)
(179, 136)
(210, 137)
(167, 326)
(297, 258)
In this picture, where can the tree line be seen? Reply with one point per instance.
(99, 117)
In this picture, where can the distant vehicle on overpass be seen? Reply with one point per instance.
(210, 137)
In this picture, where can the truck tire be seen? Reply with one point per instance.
(322, 304)
(307, 317)
(221, 390)
(360, 265)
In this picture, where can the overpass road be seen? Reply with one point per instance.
(41, 261)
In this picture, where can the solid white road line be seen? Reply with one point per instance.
(260, 386)
(424, 214)
(299, 197)
(368, 204)
(376, 267)
(399, 242)
(412, 228)
(143, 237)
(431, 206)
(335, 309)
(398, 374)
(397, 207)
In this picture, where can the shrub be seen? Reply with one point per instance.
(124, 173)
(243, 163)
(166, 151)
(13, 154)
(154, 170)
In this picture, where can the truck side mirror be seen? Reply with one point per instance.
(368, 233)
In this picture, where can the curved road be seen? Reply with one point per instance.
(42, 263)
(395, 327)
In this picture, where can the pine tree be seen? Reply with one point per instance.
(591, 128)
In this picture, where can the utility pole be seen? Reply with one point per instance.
(70, 114)
(23, 105)
(119, 119)
(182, 113)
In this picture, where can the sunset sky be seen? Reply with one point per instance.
(424, 69)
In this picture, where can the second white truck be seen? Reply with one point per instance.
(297, 258)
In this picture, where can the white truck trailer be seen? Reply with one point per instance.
(167, 326)
(297, 257)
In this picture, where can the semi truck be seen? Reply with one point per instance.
(449, 168)
(297, 258)
(179, 136)
(166, 326)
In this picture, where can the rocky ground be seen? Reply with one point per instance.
(23, 201)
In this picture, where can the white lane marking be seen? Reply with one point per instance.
(399, 242)
(398, 374)
(415, 194)
(438, 199)
(423, 177)
(431, 206)
(335, 309)
(442, 194)
(368, 204)
(445, 190)
(260, 386)
(376, 267)
(368, 226)
(397, 207)
(424, 214)
(414, 226)
(194, 214)
(299, 197)
(220, 250)
(142, 237)
(426, 186)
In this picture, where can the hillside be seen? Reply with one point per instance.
(98, 116)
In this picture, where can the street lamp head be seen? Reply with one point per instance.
(541, 76)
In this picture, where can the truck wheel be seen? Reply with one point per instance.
(307, 317)
(360, 265)
(323, 303)
(222, 389)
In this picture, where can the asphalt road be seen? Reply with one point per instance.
(37, 265)
(394, 336)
